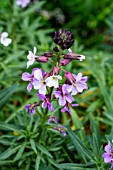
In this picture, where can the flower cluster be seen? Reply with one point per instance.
(108, 155)
(4, 40)
(51, 85)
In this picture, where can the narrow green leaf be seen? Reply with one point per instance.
(38, 158)
(5, 94)
(33, 145)
(10, 151)
(20, 152)
(77, 123)
(44, 150)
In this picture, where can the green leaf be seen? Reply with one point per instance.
(37, 162)
(6, 162)
(77, 123)
(81, 148)
(34, 7)
(9, 127)
(9, 152)
(5, 94)
(33, 145)
(72, 166)
(20, 152)
(44, 150)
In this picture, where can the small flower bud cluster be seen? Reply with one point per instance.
(49, 84)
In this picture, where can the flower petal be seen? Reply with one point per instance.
(69, 98)
(37, 85)
(49, 81)
(26, 76)
(42, 89)
(41, 96)
(108, 147)
(29, 87)
(44, 104)
(38, 74)
(57, 94)
(34, 51)
(62, 101)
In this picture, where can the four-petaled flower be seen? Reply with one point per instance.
(4, 40)
(46, 101)
(29, 77)
(30, 108)
(63, 95)
(61, 129)
(78, 83)
(52, 119)
(40, 83)
(53, 81)
(108, 155)
(31, 57)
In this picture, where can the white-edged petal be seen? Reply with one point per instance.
(82, 57)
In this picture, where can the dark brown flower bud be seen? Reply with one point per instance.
(48, 54)
(64, 38)
(55, 49)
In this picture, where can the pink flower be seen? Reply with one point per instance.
(40, 81)
(78, 83)
(29, 77)
(63, 95)
(108, 155)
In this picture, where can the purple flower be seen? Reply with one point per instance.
(61, 129)
(46, 101)
(22, 3)
(52, 119)
(78, 83)
(40, 81)
(29, 108)
(63, 95)
(108, 155)
(67, 107)
(29, 77)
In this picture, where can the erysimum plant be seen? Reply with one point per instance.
(35, 140)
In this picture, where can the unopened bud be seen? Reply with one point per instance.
(56, 70)
(42, 59)
(74, 56)
(69, 76)
(55, 49)
(48, 54)
(64, 62)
